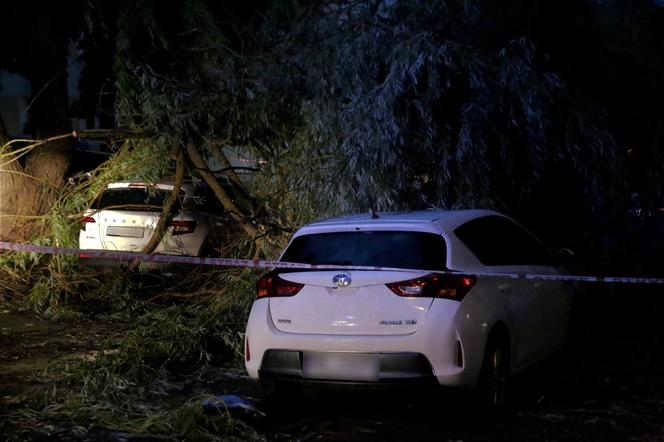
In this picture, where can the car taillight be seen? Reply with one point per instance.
(182, 227)
(435, 286)
(85, 220)
(271, 285)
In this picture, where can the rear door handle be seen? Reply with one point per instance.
(538, 285)
(504, 288)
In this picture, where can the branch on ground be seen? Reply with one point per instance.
(197, 293)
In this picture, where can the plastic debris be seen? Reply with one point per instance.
(232, 403)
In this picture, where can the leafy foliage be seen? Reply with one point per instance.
(417, 110)
(384, 105)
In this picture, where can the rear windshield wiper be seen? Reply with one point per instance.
(333, 263)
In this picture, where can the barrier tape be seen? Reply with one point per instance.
(254, 263)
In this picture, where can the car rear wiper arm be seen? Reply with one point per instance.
(333, 263)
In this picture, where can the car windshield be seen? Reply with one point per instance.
(138, 199)
(409, 250)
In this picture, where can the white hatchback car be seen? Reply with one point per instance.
(459, 329)
(126, 213)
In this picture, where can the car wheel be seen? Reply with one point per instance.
(494, 378)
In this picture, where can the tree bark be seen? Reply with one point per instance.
(166, 214)
(28, 191)
(6, 182)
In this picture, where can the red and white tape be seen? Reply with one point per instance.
(254, 263)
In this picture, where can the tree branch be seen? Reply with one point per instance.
(203, 170)
(197, 293)
(159, 231)
(103, 134)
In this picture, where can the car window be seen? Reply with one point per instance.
(137, 199)
(204, 200)
(496, 241)
(410, 250)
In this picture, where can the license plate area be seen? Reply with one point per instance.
(126, 232)
(341, 366)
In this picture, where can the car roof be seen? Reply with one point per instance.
(444, 218)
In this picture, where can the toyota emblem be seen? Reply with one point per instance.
(341, 280)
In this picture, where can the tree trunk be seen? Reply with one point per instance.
(203, 170)
(28, 191)
(28, 188)
(6, 182)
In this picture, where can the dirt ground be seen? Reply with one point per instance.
(611, 389)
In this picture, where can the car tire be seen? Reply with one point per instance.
(495, 374)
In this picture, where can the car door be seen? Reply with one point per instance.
(523, 312)
(556, 298)
(505, 247)
(546, 300)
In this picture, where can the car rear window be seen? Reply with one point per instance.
(409, 250)
(138, 199)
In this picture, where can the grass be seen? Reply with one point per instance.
(177, 325)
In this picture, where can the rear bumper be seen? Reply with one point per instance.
(339, 366)
(187, 245)
(429, 352)
(96, 262)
